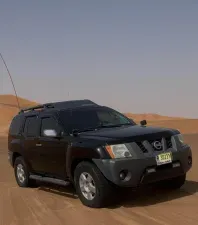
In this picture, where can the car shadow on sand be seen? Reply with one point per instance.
(153, 195)
(146, 196)
(68, 191)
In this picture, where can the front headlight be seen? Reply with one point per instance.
(118, 151)
(180, 138)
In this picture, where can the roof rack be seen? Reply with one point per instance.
(71, 104)
(44, 106)
(61, 105)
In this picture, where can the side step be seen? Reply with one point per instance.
(49, 180)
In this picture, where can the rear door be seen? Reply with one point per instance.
(30, 138)
(52, 150)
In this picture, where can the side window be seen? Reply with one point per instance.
(15, 126)
(49, 123)
(31, 126)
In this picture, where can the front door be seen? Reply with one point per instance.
(52, 150)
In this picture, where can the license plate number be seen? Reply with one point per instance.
(164, 158)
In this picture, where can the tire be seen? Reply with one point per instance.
(174, 183)
(103, 189)
(22, 166)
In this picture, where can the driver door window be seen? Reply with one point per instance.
(49, 123)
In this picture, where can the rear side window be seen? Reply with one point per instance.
(31, 126)
(15, 125)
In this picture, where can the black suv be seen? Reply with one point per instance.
(95, 148)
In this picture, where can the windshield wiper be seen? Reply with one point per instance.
(78, 131)
(115, 125)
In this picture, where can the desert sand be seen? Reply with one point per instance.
(52, 205)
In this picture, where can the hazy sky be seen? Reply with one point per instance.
(138, 56)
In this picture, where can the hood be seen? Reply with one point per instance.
(132, 133)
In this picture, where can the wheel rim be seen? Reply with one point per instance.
(20, 173)
(87, 186)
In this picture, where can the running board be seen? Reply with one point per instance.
(49, 180)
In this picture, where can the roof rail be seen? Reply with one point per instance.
(61, 105)
(36, 107)
(70, 104)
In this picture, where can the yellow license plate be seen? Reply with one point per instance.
(164, 158)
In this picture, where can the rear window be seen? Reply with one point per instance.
(31, 126)
(15, 125)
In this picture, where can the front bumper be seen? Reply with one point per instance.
(145, 170)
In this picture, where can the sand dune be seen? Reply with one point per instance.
(151, 117)
(8, 109)
(10, 100)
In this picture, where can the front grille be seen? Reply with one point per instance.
(156, 144)
(169, 142)
(142, 147)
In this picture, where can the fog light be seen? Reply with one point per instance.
(123, 174)
(189, 160)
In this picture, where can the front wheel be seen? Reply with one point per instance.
(91, 186)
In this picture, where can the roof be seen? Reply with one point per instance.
(71, 104)
(61, 105)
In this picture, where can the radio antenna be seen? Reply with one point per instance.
(10, 79)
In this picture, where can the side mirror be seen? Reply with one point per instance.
(143, 122)
(50, 133)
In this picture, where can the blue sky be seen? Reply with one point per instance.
(135, 56)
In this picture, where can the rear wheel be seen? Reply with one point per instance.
(91, 186)
(22, 173)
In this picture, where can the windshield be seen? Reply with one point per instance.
(92, 118)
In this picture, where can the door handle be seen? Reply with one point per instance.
(38, 145)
